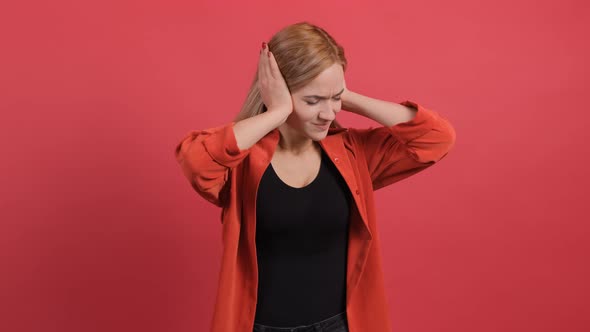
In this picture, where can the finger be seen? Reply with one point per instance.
(262, 72)
(274, 67)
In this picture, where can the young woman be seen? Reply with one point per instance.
(301, 250)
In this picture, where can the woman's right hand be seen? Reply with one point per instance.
(273, 88)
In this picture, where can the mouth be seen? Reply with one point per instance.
(322, 127)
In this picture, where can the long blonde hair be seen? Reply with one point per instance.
(302, 51)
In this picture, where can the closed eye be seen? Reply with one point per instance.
(314, 103)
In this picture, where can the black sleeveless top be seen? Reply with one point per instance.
(301, 245)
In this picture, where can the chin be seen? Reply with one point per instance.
(319, 136)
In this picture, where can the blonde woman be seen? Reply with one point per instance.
(301, 250)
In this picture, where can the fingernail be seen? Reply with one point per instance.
(263, 45)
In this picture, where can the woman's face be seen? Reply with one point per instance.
(316, 104)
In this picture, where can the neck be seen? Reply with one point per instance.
(294, 143)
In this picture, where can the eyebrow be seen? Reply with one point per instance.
(322, 97)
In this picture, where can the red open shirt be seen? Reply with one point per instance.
(367, 159)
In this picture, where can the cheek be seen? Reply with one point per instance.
(305, 113)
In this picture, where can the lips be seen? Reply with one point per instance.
(323, 127)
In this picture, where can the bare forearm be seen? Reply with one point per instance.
(251, 130)
(385, 112)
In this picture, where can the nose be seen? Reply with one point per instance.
(329, 113)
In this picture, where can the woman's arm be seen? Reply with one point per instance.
(385, 112)
(251, 130)
(206, 156)
(411, 139)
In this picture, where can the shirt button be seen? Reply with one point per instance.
(358, 192)
(337, 159)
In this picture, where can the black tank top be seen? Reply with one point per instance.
(301, 245)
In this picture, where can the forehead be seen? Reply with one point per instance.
(328, 82)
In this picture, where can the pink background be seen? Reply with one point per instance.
(100, 231)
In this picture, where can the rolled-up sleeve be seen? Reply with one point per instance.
(399, 151)
(206, 157)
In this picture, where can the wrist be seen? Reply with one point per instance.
(278, 114)
(349, 101)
